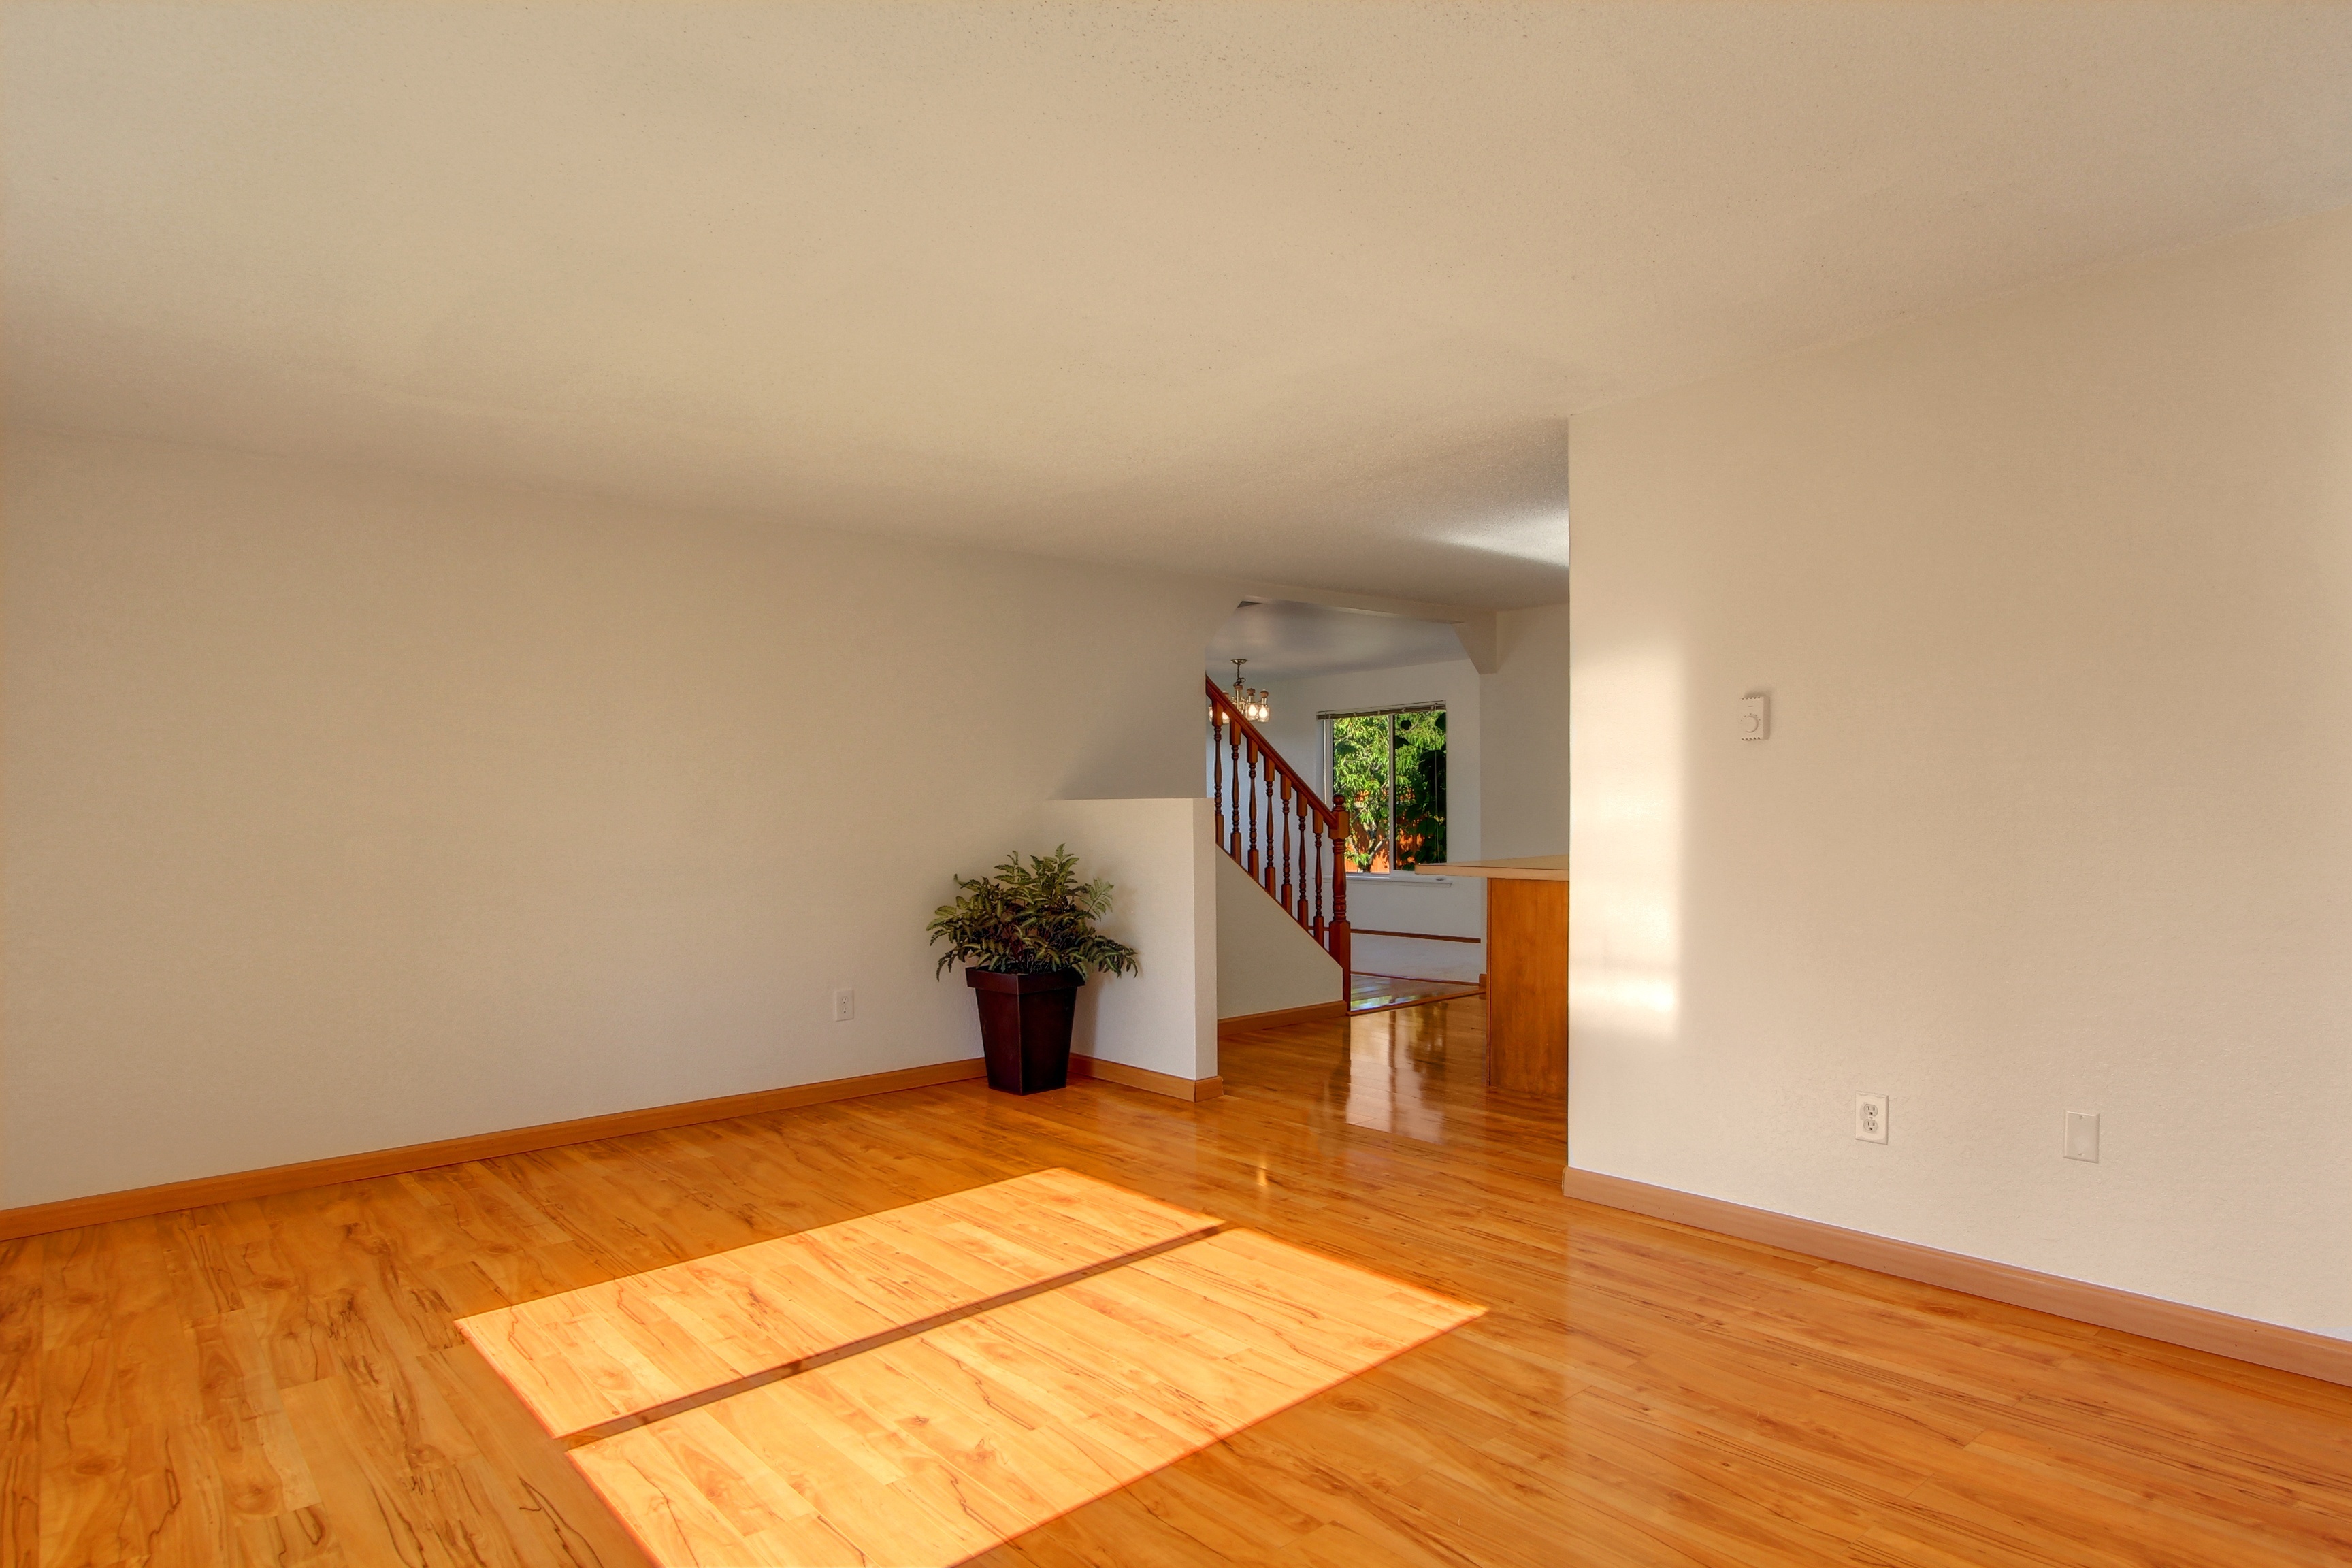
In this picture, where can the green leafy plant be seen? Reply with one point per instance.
(1031, 920)
(1389, 770)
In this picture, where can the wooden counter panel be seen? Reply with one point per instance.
(1526, 986)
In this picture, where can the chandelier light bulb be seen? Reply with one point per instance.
(1248, 700)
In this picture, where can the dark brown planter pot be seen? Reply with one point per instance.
(1024, 1027)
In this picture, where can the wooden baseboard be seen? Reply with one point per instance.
(2197, 1328)
(68, 1214)
(1248, 1021)
(1169, 1084)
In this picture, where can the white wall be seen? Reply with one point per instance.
(346, 810)
(1265, 960)
(1407, 902)
(2053, 599)
(1523, 723)
(1157, 856)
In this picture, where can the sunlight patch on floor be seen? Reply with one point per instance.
(926, 1445)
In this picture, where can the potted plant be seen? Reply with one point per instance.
(1024, 936)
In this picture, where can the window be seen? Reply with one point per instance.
(1387, 768)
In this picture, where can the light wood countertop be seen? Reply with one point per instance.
(1528, 868)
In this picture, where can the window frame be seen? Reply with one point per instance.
(1329, 778)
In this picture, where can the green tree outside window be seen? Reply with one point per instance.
(1389, 770)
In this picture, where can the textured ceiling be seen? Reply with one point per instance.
(1303, 292)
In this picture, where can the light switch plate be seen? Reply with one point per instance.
(1755, 717)
(2083, 1135)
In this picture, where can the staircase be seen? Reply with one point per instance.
(1279, 830)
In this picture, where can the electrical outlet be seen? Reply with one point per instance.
(1870, 1118)
(844, 1005)
(2083, 1135)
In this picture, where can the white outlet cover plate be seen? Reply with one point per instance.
(1870, 1118)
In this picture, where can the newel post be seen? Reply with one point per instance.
(1340, 932)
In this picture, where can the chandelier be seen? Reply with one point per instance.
(1251, 701)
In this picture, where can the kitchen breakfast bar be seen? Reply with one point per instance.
(1526, 969)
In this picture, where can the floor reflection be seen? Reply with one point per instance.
(1371, 992)
(1396, 1072)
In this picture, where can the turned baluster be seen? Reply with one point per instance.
(1250, 865)
(1234, 757)
(1216, 773)
(1303, 828)
(1294, 890)
(1288, 811)
(1267, 876)
(1339, 946)
(1318, 883)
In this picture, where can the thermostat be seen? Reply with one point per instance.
(1755, 717)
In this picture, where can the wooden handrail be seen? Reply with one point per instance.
(1291, 842)
(1224, 704)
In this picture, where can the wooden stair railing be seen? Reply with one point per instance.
(1279, 830)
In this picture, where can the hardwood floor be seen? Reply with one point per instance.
(584, 1359)
(279, 1381)
(1369, 992)
(930, 1450)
